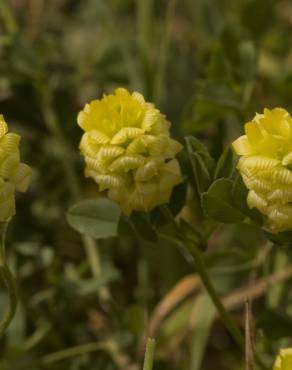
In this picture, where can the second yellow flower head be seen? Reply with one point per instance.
(266, 166)
(128, 150)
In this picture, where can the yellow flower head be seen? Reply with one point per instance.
(284, 360)
(14, 175)
(266, 166)
(128, 150)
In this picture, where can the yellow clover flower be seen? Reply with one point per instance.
(266, 166)
(14, 175)
(284, 360)
(128, 150)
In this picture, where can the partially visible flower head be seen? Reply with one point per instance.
(14, 175)
(128, 150)
(284, 360)
(266, 166)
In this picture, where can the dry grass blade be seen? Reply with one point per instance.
(191, 284)
(182, 290)
(238, 297)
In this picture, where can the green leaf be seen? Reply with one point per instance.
(202, 163)
(201, 173)
(283, 238)
(224, 166)
(275, 324)
(97, 218)
(218, 204)
(142, 226)
(239, 195)
(196, 146)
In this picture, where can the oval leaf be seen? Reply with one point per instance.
(97, 218)
(218, 204)
(202, 163)
(196, 146)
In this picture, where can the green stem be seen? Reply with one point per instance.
(93, 257)
(149, 354)
(9, 281)
(226, 318)
(201, 269)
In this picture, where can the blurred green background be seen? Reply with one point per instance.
(209, 65)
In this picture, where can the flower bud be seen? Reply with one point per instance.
(128, 150)
(265, 166)
(14, 175)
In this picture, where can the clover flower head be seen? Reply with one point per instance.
(128, 150)
(14, 175)
(284, 360)
(266, 166)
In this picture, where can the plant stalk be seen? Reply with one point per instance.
(202, 271)
(149, 354)
(9, 282)
(225, 316)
